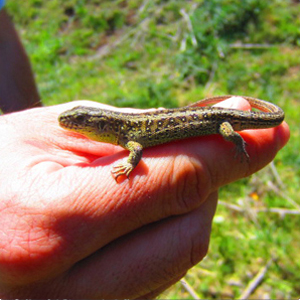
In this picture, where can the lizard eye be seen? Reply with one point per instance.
(80, 118)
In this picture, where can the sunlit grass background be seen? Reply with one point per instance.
(173, 52)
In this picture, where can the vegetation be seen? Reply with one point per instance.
(173, 52)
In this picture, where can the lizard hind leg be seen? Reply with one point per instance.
(230, 135)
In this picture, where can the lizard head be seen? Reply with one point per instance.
(91, 122)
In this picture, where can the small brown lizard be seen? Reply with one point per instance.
(136, 131)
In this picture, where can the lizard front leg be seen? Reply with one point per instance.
(135, 155)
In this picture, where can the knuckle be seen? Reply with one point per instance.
(190, 183)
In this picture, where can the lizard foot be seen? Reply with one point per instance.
(122, 169)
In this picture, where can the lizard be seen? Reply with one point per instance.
(136, 131)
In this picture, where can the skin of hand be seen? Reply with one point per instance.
(69, 230)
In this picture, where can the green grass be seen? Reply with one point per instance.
(170, 53)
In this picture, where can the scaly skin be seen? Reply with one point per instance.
(135, 131)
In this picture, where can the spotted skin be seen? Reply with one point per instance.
(136, 131)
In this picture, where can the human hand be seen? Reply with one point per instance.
(68, 230)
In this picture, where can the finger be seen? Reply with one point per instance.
(159, 291)
(235, 102)
(147, 260)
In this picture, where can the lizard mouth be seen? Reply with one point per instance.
(66, 123)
